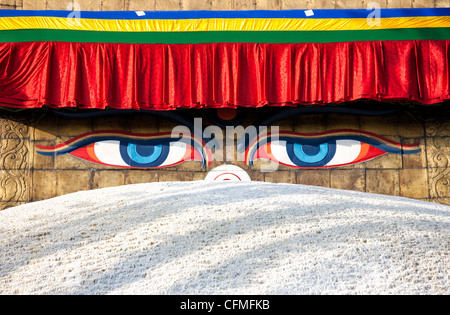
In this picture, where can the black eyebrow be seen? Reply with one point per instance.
(83, 114)
(270, 119)
(266, 121)
(169, 115)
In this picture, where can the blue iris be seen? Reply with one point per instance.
(144, 155)
(311, 154)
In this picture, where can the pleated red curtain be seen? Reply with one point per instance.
(169, 76)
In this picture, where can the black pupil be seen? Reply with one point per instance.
(144, 150)
(311, 149)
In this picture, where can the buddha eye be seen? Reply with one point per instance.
(139, 155)
(132, 150)
(323, 150)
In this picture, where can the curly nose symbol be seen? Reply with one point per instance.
(227, 172)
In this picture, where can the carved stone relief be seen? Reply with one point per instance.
(15, 173)
(437, 128)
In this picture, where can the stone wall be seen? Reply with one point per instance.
(28, 176)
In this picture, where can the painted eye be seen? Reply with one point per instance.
(129, 154)
(331, 149)
(131, 150)
(330, 153)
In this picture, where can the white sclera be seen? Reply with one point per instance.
(346, 152)
(108, 152)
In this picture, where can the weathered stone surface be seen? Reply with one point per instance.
(348, 179)
(414, 183)
(267, 4)
(73, 128)
(70, 181)
(287, 177)
(337, 122)
(14, 185)
(438, 151)
(418, 160)
(439, 182)
(385, 182)
(310, 124)
(14, 154)
(382, 126)
(441, 3)
(113, 5)
(314, 177)
(385, 161)
(41, 162)
(44, 185)
(410, 126)
(168, 176)
(140, 176)
(103, 179)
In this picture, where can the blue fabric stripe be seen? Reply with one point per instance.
(318, 14)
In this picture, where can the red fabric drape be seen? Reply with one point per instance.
(161, 76)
